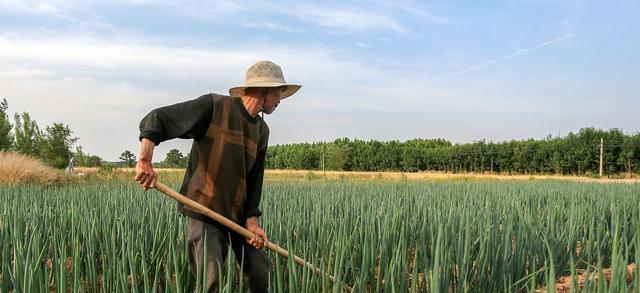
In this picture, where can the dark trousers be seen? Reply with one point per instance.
(257, 265)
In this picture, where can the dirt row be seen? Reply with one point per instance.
(565, 283)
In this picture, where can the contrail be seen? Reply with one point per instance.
(516, 53)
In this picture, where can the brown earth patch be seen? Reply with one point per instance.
(564, 284)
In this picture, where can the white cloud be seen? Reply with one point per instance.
(413, 8)
(108, 61)
(106, 54)
(265, 14)
(199, 9)
(347, 18)
(102, 88)
(73, 12)
(334, 16)
(8, 73)
(271, 25)
(33, 7)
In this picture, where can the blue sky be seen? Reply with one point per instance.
(459, 70)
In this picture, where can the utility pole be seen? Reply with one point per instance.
(601, 156)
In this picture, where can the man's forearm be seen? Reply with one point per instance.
(146, 150)
(252, 221)
(144, 169)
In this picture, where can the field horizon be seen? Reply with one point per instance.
(311, 175)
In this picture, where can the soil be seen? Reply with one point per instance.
(564, 283)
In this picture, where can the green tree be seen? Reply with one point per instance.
(613, 141)
(79, 157)
(337, 155)
(630, 154)
(28, 135)
(57, 143)
(273, 152)
(128, 158)
(587, 150)
(575, 153)
(82, 159)
(6, 139)
(175, 159)
(93, 161)
(391, 156)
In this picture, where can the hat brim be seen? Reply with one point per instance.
(289, 90)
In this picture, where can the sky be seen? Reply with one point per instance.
(384, 70)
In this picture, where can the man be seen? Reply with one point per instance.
(225, 169)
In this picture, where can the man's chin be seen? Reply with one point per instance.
(268, 111)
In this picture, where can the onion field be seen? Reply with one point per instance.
(391, 236)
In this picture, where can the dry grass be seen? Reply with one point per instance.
(425, 176)
(16, 168)
(315, 175)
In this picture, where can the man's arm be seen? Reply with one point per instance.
(189, 119)
(145, 174)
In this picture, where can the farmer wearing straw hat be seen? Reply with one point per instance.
(225, 170)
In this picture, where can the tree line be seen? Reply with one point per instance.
(54, 145)
(575, 154)
(51, 145)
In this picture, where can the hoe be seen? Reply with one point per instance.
(240, 230)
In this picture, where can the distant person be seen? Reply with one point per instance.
(226, 167)
(69, 169)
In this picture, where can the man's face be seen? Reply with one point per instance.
(272, 98)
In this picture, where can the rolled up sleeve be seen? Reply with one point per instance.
(188, 120)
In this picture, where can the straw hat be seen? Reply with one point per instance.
(264, 74)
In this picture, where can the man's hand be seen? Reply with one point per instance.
(254, 227)
(145, 174)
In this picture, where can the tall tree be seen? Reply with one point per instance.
(93, 161)
(128, 158)
(79, 157)
(27, 134)
(6, 139)
(338, 155)
(175, 159)
(82, 159)
(57, 143)
(630, 155)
